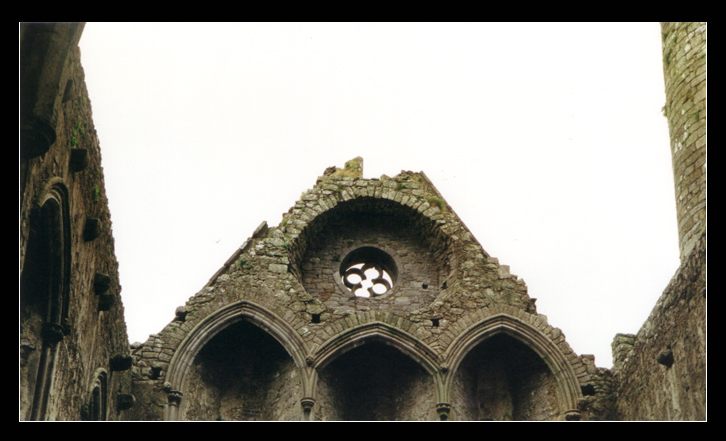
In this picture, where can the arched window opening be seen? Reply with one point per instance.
(375, 382)
(44, 296)
(503, 379)
(99, 399)
(242, 374)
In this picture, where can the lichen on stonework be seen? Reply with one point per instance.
(352, 169)
(436, 201)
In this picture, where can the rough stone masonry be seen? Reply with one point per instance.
(324, 348)
(371, 300)
(684, 67)
(74, 358)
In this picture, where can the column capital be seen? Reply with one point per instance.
(307, 403)
(573, 415)
(174, 397)
(443, 409)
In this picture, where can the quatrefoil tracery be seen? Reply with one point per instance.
(367, 280)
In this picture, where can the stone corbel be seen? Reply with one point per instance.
(26, 348)
(573, 415)
(443, 409)
(307, 405)
(121, 362)
(52, 333)
(125, 401)
(175, 397)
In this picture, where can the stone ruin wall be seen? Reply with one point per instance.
(283, 269)
(658, 373)
(661, 371)
(93, 330)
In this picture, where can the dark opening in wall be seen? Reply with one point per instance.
(435, 322)
(665, 358)
(44, 292)
(91, 229)
(588, 389)
(315, 318)
(375, 382)
(124, 402)
(106, 301)
(503, 379)
(99, 398)
(154, 372)
(120, 362)
(101, 283)
(242, 374)
(78, 160)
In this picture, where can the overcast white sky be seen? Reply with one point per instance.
(546, 139)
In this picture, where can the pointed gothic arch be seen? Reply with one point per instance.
(567, 385)
(97, 407)
(356, 336)
(362, 358)
(264, 320)
(45, 294)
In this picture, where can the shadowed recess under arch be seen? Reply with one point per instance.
(242, 374)
(45, 295)
(521, 336)
(266, 324)
(363, 362)
(371, 211)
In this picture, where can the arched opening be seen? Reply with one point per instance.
(99, 399)
(44, 292)
(503, 379)
(375, 382)
(242, 374)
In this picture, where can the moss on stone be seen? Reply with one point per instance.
(352, 169)
(244, 264)
(436, 201)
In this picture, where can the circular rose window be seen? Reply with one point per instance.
(368, 272)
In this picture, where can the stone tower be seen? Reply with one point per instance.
(370, 301)
(684, 66)
(660, 372)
